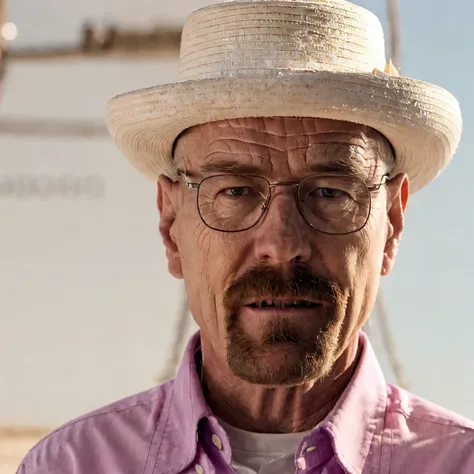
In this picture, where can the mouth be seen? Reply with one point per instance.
(283, 303)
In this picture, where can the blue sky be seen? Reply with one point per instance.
(91, 270)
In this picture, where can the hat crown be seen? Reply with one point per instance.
(237, 38)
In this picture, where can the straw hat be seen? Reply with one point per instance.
(313, 58)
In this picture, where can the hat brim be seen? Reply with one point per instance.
(422, 121)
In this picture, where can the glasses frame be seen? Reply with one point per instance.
(268, 199)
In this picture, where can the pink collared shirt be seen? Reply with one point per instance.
(375, 427)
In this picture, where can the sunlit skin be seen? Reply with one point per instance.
(209, 262)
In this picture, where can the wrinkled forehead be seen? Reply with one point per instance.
(277, 142)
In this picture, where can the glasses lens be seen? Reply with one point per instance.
(232, 202)
(335, 204)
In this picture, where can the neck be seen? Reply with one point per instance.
(278, 409)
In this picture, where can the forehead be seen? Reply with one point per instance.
(277, 144)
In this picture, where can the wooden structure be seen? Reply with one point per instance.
(112, 42)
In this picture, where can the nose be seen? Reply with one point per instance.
(283, 235)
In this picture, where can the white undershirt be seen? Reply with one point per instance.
(262, 453)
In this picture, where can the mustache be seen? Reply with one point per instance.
(297, 282)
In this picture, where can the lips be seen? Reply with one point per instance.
(283, 303)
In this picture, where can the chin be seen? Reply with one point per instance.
(281, 362)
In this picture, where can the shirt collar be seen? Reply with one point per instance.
(351, 425)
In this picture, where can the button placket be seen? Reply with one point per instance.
(215, 457)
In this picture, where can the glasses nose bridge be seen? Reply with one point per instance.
(284, 183)
(271, 195)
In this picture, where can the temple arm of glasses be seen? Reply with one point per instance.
(376, 187)
(186, 179)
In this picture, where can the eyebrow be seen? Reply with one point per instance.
(233, 166)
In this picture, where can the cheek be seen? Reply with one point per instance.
(207, 259)
(353, 259)
(342, 258)
(376, 236)
(369, 251)
(206, 253)
(364, 265)
(195, 246)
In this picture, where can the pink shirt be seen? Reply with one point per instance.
(375, 427)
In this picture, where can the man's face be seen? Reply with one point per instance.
(281, 301)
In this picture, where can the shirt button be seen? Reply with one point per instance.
(217, 442)
(199, 469)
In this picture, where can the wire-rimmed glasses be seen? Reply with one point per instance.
(331, 203)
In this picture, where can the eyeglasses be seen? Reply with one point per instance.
(330, 203)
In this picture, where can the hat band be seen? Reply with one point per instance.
(245, 68)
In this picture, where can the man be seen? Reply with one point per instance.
(284, 159)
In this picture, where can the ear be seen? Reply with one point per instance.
(166, 201)
(397, 199)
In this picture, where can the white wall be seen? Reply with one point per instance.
(86, 304)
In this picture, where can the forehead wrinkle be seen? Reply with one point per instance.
(246, 142)
(326, 144)
(226, 162)
(356, 168)
(288, 147)
(361, 158)
(322, 136)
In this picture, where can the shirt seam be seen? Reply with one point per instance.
(149, 450)
(96, 415)
(164, 429)
(391, 453)
(382, 438)
(434, 421)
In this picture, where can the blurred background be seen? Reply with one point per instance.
(88, 312)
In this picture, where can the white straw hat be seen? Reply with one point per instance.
(315, 58)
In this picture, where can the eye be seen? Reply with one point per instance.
(237, 191)
(328, 193)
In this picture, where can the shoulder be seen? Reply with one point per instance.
(435, 435)
(119, 434)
